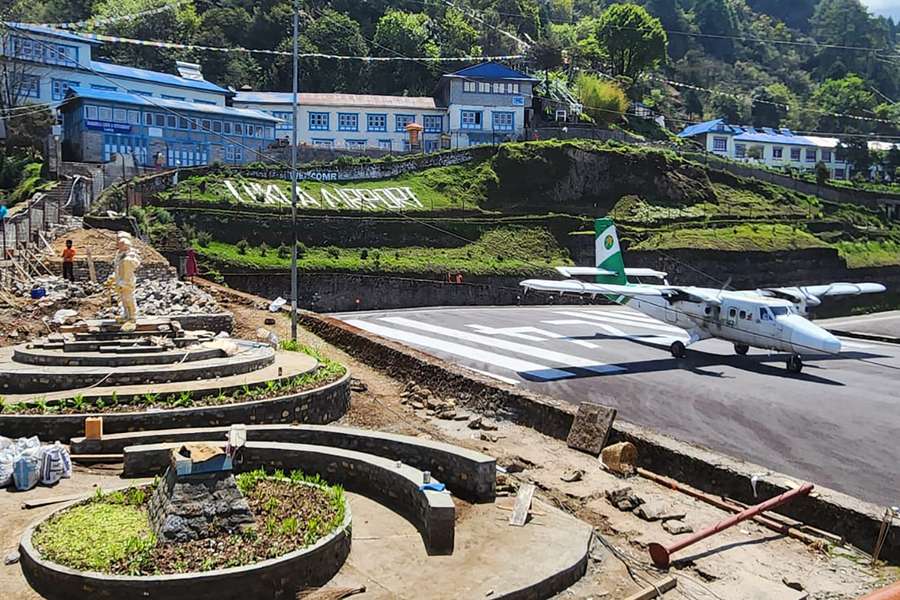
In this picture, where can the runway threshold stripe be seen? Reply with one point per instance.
(564, 360)
(476, 354)
(605, 319)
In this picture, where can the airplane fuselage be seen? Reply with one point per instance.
(746, 321)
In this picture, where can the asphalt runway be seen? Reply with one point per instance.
(835, 424)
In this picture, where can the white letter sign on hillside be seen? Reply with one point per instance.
(395, 198)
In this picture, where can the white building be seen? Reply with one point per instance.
(352, 121)
(778, 148)
(51, 61)
(483, 104)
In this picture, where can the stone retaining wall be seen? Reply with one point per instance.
(856, 521)
(318, 406)
(468, 474)
(279, 578)
(393, 484)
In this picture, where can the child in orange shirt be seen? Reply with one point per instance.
(68, 256)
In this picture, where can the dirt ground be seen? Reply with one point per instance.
(746, 562)
(102, 244)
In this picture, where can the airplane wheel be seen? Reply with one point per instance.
(741, 349)
(678, 349)
(795, 364)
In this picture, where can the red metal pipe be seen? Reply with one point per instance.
(891, 592)
(660, 554)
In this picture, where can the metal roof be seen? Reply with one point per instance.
(761, 135)
(491, 70)
(52, 31)
(156, 77)
(339, 100)
(174, 105)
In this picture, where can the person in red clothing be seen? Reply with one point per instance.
(68, 256)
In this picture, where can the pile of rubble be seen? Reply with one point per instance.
(56, 289)
(168, 297)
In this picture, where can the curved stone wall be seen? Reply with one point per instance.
(468, 474)
(318, 406)
(275, 578)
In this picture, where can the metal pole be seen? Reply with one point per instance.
(294, 176)
(661, 554)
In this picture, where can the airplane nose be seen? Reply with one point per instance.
(814, 339)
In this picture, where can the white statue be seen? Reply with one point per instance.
(124, 279)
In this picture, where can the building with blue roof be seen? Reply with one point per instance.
(51, 61)
(776, 148)
(161, 132)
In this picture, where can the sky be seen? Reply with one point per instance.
(888, 8)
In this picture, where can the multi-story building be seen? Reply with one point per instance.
(352, 121)
(483, 104)
(779, 148)
(486, 104)
(52, 61)
(162, 133)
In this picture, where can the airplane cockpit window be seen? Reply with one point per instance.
(764, 314)
(780, 311)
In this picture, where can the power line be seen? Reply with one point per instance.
(103, 21)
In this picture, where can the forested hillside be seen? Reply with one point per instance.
(794, 63)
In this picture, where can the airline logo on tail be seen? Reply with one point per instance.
(608, 252)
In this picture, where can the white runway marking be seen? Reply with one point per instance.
(662, 340)
(490, 358)
(524, 333)
(565, 360)
(615, 321)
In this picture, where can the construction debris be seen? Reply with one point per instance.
(572, 476)
(657, 511)
(624, 498)
(655, 590)
(482, 423)
(523, 505)
(591, 427)
(168, 297)
(676, 527)
(619, 458)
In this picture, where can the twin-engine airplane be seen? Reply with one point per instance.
(770, 318)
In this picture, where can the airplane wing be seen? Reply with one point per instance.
(582, 271)
(646, 273)
(813, 294)
(572, 286)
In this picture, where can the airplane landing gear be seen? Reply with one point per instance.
(741, 349)
(795, 363)
(678, 349)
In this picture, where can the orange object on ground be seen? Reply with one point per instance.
(891, 592)
(93, 428)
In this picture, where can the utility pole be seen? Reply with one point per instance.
(296, 122)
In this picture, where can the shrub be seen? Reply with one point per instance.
(204, 238)
(242, 246)
(301, 250)
(333, 252)
(604, 101)
(263, 249)
(284, 251)
(364, 254)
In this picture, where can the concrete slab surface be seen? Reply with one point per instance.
(883, 323)
(831, 424)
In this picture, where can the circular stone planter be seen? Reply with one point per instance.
(317, 407)
(277, 578)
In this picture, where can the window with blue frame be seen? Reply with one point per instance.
(105, 88)
(432, 145)
(348, 122)
(376, 122)
(31, 86)
(504, 121)
(59, 88)
(168, 97)
(470, 119)
(318, 121)
(384, 145)
(287, 120)
(401, 121)
(323, 143)
(234, 154)
(140, 93)
(356, 145)
(210, 102)
(433, 123)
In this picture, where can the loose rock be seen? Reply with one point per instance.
(623, 498)
(676, 527)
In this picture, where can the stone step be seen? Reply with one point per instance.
(127, 357)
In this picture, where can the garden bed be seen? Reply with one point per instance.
(325, 373)
(111, 534)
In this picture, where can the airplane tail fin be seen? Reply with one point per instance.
(609, 253)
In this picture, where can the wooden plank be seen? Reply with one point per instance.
(39, 502)
(92, 272)
(523, 505)
(650, 592)
(97, 458)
